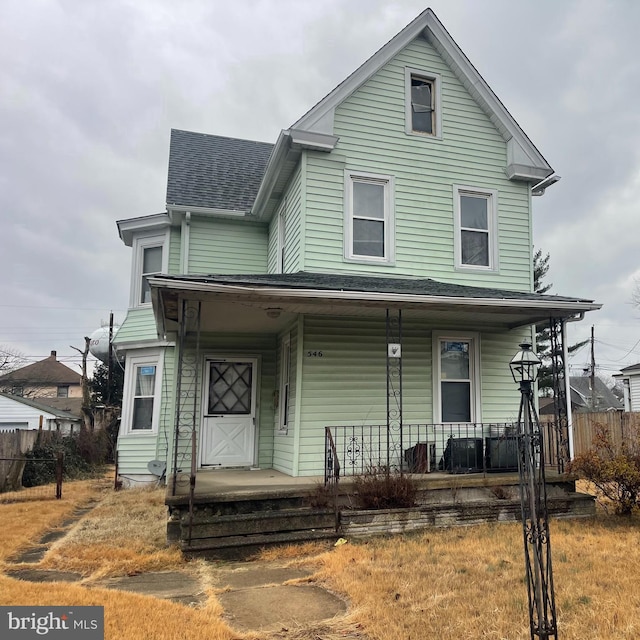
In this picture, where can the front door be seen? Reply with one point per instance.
(229, 424)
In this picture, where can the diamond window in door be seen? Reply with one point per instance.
(230, 388)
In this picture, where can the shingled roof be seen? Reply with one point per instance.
(215, 172)
(337, 282)
(44, 372)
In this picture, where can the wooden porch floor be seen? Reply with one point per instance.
(260, 483)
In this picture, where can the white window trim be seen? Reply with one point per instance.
(491, 195)
(148, 358)
(140, 243)
(284, 392)
(437, 103)
(474, 369)
(388, 182)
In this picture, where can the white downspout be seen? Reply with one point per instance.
(185, 231)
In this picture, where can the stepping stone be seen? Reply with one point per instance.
(32, 555)
(42, 575)
(52, 536)
(169, 585)
(271, 608)
(258, 576)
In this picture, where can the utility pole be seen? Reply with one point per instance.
(110, 361)
(86, 399)
(593, 371)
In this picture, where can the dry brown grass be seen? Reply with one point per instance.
(464, 582)
(124, 534)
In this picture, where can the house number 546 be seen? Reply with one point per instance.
(314, 354)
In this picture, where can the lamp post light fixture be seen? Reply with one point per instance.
(533, 500)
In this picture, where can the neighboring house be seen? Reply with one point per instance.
(630, 378)
(46, 378)
(25, 413)
(581, 397)
(272, 297)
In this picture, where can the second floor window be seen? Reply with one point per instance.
(62, 392)
(476, 228)
(151, 265)
(369, 217)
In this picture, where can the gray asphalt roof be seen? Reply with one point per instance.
(213, 171)
(332, 282)
(41, 406)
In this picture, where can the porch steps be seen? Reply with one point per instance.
(242, 533)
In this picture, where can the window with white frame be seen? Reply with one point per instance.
(369, 217)
(476, 237)
(422, 103)
(141, 394)
(283, 404)
(150, 258)
(456, 378)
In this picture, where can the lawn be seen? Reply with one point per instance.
(447, 583)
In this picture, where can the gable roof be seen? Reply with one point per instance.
(41, 406)
(315, 128)
(44, 372)
(214, 172)
(634, 368)
(581, 393)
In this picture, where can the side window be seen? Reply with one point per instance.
(151, 265)
(369, 217)
(476, 236)
(140, 402)
(143, 399)
(423, 114)
(150, 258)
(62, 391)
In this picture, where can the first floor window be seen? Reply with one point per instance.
(368, 217)
(145, 384)
(455, 368)
(476, 234)
(285, 363)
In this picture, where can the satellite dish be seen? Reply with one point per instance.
(157, 467)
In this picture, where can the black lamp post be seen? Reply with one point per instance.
(533, 501)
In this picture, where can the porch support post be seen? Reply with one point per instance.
(394, 388)
(560, 391)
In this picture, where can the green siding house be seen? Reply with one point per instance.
(370, 272)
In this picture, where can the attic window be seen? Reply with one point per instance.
(421, 105)
(422, 96)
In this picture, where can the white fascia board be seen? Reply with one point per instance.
(440, 38)
(312, 140)
(226, 213)
(127, 228)
(277, 159)
(369, 296)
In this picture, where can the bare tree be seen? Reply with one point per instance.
(10, 359)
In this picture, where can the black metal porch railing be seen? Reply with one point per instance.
(427, 448)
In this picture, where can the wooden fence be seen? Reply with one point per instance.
(621, 427)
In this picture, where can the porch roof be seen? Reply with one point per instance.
(340, 294)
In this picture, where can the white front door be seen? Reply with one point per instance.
(229, 423)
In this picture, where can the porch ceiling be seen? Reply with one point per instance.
(241, 308)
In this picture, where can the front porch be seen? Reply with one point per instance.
(226, 513)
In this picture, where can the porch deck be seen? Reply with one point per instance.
(217, 484)
(235, 512)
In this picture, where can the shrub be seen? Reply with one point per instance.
(383, 489)
(615, 471)
(84, 455)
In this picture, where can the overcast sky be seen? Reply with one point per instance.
(89, 91)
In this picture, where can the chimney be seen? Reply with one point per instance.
(53, 354)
